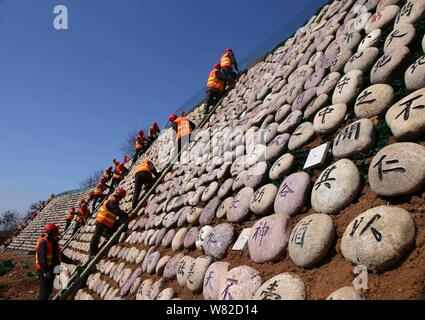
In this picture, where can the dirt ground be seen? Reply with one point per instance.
(17, 285)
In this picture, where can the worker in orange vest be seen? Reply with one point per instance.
(109, 218)
(81, 216)
(69, 217)
(183, 128)
(48, 256)
(107, 174)
(118, 175)
(99, 193)
(145, 174)
(153, 132)
(228, 64)
(140, 144)
(215, 88)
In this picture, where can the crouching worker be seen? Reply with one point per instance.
(146, 175)
(109, 218)
(48, 256)
(82, 215)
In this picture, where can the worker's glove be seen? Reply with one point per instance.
(47, 275)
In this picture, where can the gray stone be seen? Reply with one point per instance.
(177, 243)
(152, 262)
(398, 169)
(301, 136)
(374, 101)
(171, 267)
(218, 240)
(362, 60)
(224, 171)
(282, 113)
(190, 238)
(327, 85)
(269, 134)
(263, 200)
(159, 269)
(423, 44)
(196, 274)
(326, 41)
(210, 191)
(155, 289)
(350, 41)
(239, 181)
(215, 278)
(336, 187)
(382, 18)
(166, 294)
(225, 188)
(294, 91)
(168, 238)
(284, 286)
(268, 237)
(290, 122)
(238, 166)
(355, 138)
(241, 284)
(388, 65)
(314, 80)
(401, 36)
(200, 238)
(281, 167)
(255, 175)
(329, 118)
(406, 118)
(223, 207)
(277, 146)
(311, 239)
(370, 40)
(315, 105)
(239, 208)
(345, 293)
(340, 60)
(292, 194)
(303, 99)
(414, 77)
(411, 12)
(208, 213)
(379, 237)
(348, 88)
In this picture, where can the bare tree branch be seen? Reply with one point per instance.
(92, 180)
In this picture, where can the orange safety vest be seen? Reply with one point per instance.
(105, 216)
(83, 214)
(70, 215)
(139, 142)
(119, 174)
(214, 82)
(99, 189)
(226, 61)
(107, 174)
(49, 254)
(183, 127)
(143, 167)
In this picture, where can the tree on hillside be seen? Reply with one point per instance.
(92, 180)
(9, 220)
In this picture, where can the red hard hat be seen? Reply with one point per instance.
(172, 117)
(121, 192)
(115, 160)
(50, 227)
(217, 66)
(155, 124)
(229, 50)
(141, 132)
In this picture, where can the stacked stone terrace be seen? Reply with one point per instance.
(54, 212)
(352, 77)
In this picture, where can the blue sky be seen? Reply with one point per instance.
(69, 97)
